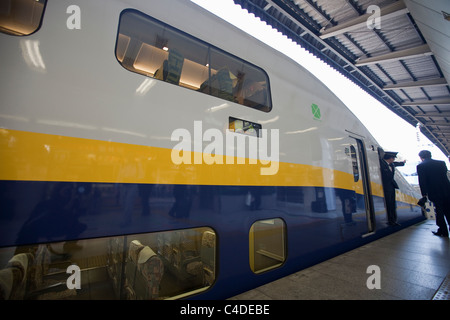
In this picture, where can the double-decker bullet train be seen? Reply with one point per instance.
(150, 150)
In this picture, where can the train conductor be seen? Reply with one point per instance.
(387, 165)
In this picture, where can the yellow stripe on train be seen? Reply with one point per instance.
(29, 156)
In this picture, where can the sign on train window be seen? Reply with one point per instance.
(21, 17)
(152, 266)
(152, 48)
(267, 243)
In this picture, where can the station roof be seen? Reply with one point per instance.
(402, 59)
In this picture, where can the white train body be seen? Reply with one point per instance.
(71, 112)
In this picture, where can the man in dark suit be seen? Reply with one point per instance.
(434, 184)
(387, 165)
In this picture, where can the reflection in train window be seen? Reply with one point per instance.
(267, 244)
(149, 47)
(21, 17)
(152, 266)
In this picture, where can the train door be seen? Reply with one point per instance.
(362, 178)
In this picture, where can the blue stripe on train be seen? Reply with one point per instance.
(39, 211)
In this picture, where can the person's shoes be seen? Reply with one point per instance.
(439, 234)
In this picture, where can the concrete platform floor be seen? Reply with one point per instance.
(413, 264)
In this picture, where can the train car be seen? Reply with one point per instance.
(151, 150)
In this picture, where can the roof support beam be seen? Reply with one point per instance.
(390, 11)
(434, 114)
(426, 102)
(441, 132)
(417, 84)
(437, 123)
(423, 50)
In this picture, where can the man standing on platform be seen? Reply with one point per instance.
(434, 184)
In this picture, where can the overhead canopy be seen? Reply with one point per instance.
(402, 59)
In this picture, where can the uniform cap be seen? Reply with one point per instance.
(390, 154)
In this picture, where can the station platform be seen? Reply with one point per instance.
(413, 264)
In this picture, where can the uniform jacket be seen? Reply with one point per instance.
(388, 174)
(433, 179)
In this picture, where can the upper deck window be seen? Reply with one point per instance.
(21, 17)
(152, 48)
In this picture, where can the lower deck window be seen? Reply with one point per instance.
(267, 245)
(152, 266)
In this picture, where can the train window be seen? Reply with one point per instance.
(152, 266)
(152, 48)
(267, 242)
(21, 17)
(354, 164)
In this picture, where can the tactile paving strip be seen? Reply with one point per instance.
(443, 292)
